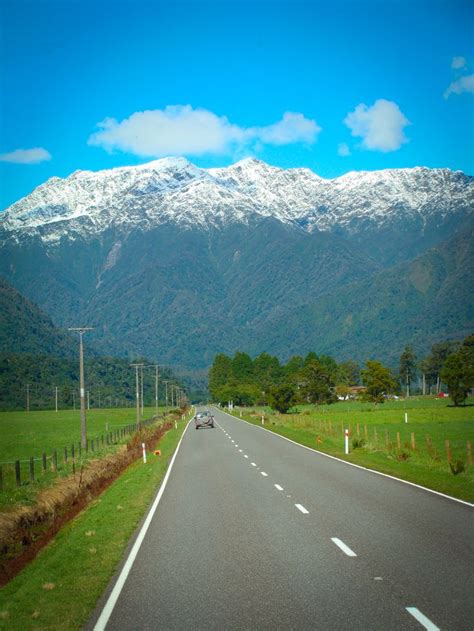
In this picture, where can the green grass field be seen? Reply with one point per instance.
(29, 434)
(419, 453)
(60, 588)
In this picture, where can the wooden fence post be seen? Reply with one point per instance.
(358, 429)
(469, 452)
(65, 455)
(17, 473)
(44, 462)
(32, 469)
(413, 444)
(398, 440)
(366, 433)
(54, 460)
(448, 450)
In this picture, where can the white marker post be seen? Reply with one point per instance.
(263, 419)
(144, 452)
(406, 417)
(346, 441)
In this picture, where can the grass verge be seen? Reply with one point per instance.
(60, 588)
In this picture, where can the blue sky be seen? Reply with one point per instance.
(334, 86)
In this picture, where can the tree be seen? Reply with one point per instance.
(220, 373)
(378, 381)
(432, 365)
(282, 397)
(348, 373)
(267, 371)
(407, 367)
(458, 372)
(242, 368)
(317, 383)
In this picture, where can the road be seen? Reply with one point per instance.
(255, 532)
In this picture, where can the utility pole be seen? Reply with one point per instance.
(424, 384)
(141, 374)
(27, 397)
(56, 397)
(166, 392)
(81, 331)
(137, 380)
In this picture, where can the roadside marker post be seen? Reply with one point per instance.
(346, 441)
(144, 453)
(406, 417)
(263, 419)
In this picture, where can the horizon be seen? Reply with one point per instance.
(309, 84)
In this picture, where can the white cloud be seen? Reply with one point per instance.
(293, 127)
(343, 150)
(458, 62)
(464, 84)
(380, 126)
(26, 156)
(182, 130)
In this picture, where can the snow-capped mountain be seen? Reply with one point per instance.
(172, 190)
(179, 263)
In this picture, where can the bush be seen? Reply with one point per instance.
(457, 467)
(358, 443)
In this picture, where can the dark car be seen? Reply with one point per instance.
(204, 419)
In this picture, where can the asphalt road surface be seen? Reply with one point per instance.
(255, 532)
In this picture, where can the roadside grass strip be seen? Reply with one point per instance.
(60, 588)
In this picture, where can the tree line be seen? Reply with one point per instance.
(320, 379)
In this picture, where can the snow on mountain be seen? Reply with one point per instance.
(172, 190)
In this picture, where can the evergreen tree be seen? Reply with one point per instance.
(242, 368)
(220, 374)
(407, 367)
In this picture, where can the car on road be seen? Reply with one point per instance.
(204, 419)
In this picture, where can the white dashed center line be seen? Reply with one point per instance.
(301, 508)
(240, 450)
(245, 456)
(278, 487)
(340, 544)
(253, 464)
(264, 474)
(422, 619)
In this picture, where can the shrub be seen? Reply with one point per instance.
(358, 443)
(457, 467)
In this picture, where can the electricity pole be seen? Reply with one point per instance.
(166, 392)
(137, 380)
(81, 331)
(141, 374)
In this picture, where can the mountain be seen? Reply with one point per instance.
(24, 328)
(182, 263)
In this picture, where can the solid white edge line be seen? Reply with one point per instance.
(422, 619)
(278, 487)
(114, 595)
(340, 544)
(352, 464)
(301, 508)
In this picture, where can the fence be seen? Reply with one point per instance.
(19, 472)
